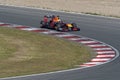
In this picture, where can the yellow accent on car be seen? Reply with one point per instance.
(69, 25)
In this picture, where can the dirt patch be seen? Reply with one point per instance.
(102, 7)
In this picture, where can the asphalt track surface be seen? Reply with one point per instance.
(103, 29)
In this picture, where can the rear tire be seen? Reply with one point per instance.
(43, 24)
(57, 27)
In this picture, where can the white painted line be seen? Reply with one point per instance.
(102, 48)
(64, 35)
(5, 24)
(88, 65)
(13, 25)
(30, 29)
(73, 39)
(84, 42)
(48, 32)
(96, 63)
(55, 33)
(103, 56)
(76, 38)
(20, 26)
(2, 23)
(96, 45)
(99, 60)
(102, 52)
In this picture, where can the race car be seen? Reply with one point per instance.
(54, 22)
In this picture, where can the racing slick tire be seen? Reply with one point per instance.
(43, 24)
(75, 28)
(70, 29)
(58, 27)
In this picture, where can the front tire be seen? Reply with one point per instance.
(74, 25)
(43, 24)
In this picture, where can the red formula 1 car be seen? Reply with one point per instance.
(54, 22)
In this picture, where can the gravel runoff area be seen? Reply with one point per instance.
(96, 7)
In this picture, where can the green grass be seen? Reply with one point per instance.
(23, 52)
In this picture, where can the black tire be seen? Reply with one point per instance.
(57, 27)
(74, 25)
(70, 29)
(43, 24)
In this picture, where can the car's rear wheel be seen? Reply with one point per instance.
(57, 27)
